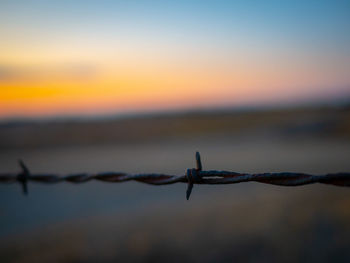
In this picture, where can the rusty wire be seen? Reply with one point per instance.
(192, 176)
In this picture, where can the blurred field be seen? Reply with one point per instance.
(307, 122)
(133, 222)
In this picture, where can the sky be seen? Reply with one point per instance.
(97, 57)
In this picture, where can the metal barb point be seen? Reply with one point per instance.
(193, 176)
(189, 187)
(198, 161)
(23, 177)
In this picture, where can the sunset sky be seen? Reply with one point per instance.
(96, 57)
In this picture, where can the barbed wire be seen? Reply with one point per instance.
(192, 176)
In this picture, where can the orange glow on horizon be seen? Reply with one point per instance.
(132, 82)
(35, 92)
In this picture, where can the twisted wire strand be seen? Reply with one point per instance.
(208, 177)
(111, 177)
(192, 176)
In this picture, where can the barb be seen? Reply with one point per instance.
(192, 176)
(23, 177)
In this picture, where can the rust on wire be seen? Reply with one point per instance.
(192, 176)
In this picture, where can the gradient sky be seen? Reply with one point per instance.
(94, 57)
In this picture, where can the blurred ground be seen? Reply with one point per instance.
(134, 222)
(303, 122)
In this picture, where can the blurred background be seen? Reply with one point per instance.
(140, 86)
